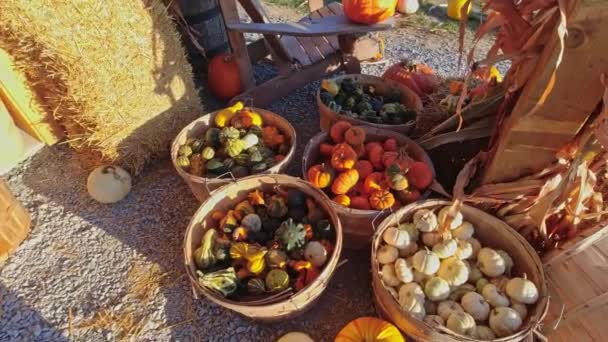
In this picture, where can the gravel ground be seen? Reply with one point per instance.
(92, 272)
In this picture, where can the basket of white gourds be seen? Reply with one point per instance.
(445, 272)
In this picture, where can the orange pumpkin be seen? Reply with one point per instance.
(320, 176)
(336, 132)
(355, 136)
(420, 175)
(345, 181)
(456, 87)
(223, 76)
(326, 149)
(272, 136)
(368, 329)
(369, 11)
(390, 144)
(371, 145)
(374, 182)
(360, 202)
(342, 200)
(381, 199)
(343, 157)
(375, 156)
(364, 167)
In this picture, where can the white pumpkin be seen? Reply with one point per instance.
(434, 320)
(413, 305)
(490, 262)
(480, 283)
(249, 140)
(484, 333)
(475, 305)
(464, 250)
(508, 261)
(388, 275)
(464, 232)
(396, 237)
(494, 296)
(521, 309)
(295, 337)
(404, 271)
(387, 254)
(315, 253)
(456, 222)
(421, 278)
(430, 307)
(426, 262)
(425, 220)
(454, 271)
(108, 184)
(407, 6)
(431, 239)
(411, 290)
(505, 321)
(476, 245)
(522, 290)
(461, 323)
(459, 291)
(474, 275)
(410, 228)
(436, 289)
(408, 250)
(446, 248)
(448, 307)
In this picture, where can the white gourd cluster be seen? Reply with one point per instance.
(451, 279)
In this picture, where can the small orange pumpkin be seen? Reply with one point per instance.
(342, 200)
(326, 149)
(375, 156)
(360, 202)
(272, 137)
(371, 144)
(374, 182)
(223, 76)
(355, 136)
(320, 175)
(343, 157)
(381, 199)
(364, 167)
(366, 329)
(336, 132)
(390, 144)
(369, 11)
(345, 181)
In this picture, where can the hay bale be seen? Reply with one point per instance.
(113, 73)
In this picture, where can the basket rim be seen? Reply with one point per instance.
(543, 288)
(209, 117)
(323, 278)
(403, 89)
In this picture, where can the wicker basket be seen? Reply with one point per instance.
(202, 187)
(224, 199)
(14, 222)
(491, 232)
(357, 223)
(328, 117)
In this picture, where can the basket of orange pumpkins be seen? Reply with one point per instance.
(367, 172)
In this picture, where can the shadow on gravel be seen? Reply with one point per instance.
(19, 322)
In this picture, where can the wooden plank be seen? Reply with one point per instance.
(318, 27)
(311, 49)
(238, 44)
(576, 245)
(327, 12)
(295, 50)
(539, 130)
(321, 42)
(256, 12)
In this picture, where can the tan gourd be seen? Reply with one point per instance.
(464, 232)
(411, 229)
(459, 291)
(475, 305)
(403, 271)
(504, 321)
(387, 254)
(522, 290)
(411, 290)
(500, 282)
(388, 275)
(483, 332)
(421, 278)
(490, 262)
(446, 248)
(396, 237)
(431, 239)
(474, 275)
(454, 271)
(494, 296)
(436, 289)
(464, 250)
(448, 307)
(434, 320)
(426, 262)
(461, 323)
(425, 220)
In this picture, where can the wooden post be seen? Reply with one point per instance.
(529, 139)
(238, 44)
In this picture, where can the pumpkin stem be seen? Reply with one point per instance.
(108, 169)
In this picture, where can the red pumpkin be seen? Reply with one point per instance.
(370, 145)
(326, 149)
(390, 145)
(375, 156)
(389, 158)
(425, 77)
(223, 77)
(399, 73)
(369, 11)
(407, 196)
(364, 167)
(336, 132)
(360, 202)
(420, 175)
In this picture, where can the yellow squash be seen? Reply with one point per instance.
(223, 117)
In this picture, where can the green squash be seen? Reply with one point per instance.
(257, 130)
(204, 255)
(212, 137)
(197, 146)
(277, 280)
(255, 156)
(255, 286)
(229, 133)
(291, 235)
(259, 167)
(234, 147)
(223, 282)
(229, 163)
(242, 159)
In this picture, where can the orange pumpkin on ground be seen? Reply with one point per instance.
(420, 175)
(381, 199)
(223, 76)
(375, 156)
(369, 329)
(355, 136)
(369, 11)
(359, 202)
(320, 176)
(326, 149)
(390, 145)
(336, 132)
(343, 157)
(364, 167)
(374, 182)
(344, 182)
(342, 200)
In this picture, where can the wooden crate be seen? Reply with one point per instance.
(14, 222)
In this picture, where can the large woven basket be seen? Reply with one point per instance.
(328, 117)
(14, 222)
(358, 224)
(202, 187)
(490, 231)
(226, 197)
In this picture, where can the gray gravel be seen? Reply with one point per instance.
(81, 256)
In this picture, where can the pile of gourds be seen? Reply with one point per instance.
(241, 143)
(368, 175)
(441, 274)
(265, 244)
(363, 102)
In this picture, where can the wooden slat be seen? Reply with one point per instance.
(257, 50)
(238, 44)
(321, 42)
(256, 12)
(327, 12)
(319, 27)
(311, 49)
(576, 245)
(295, 50)
(314, 5)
